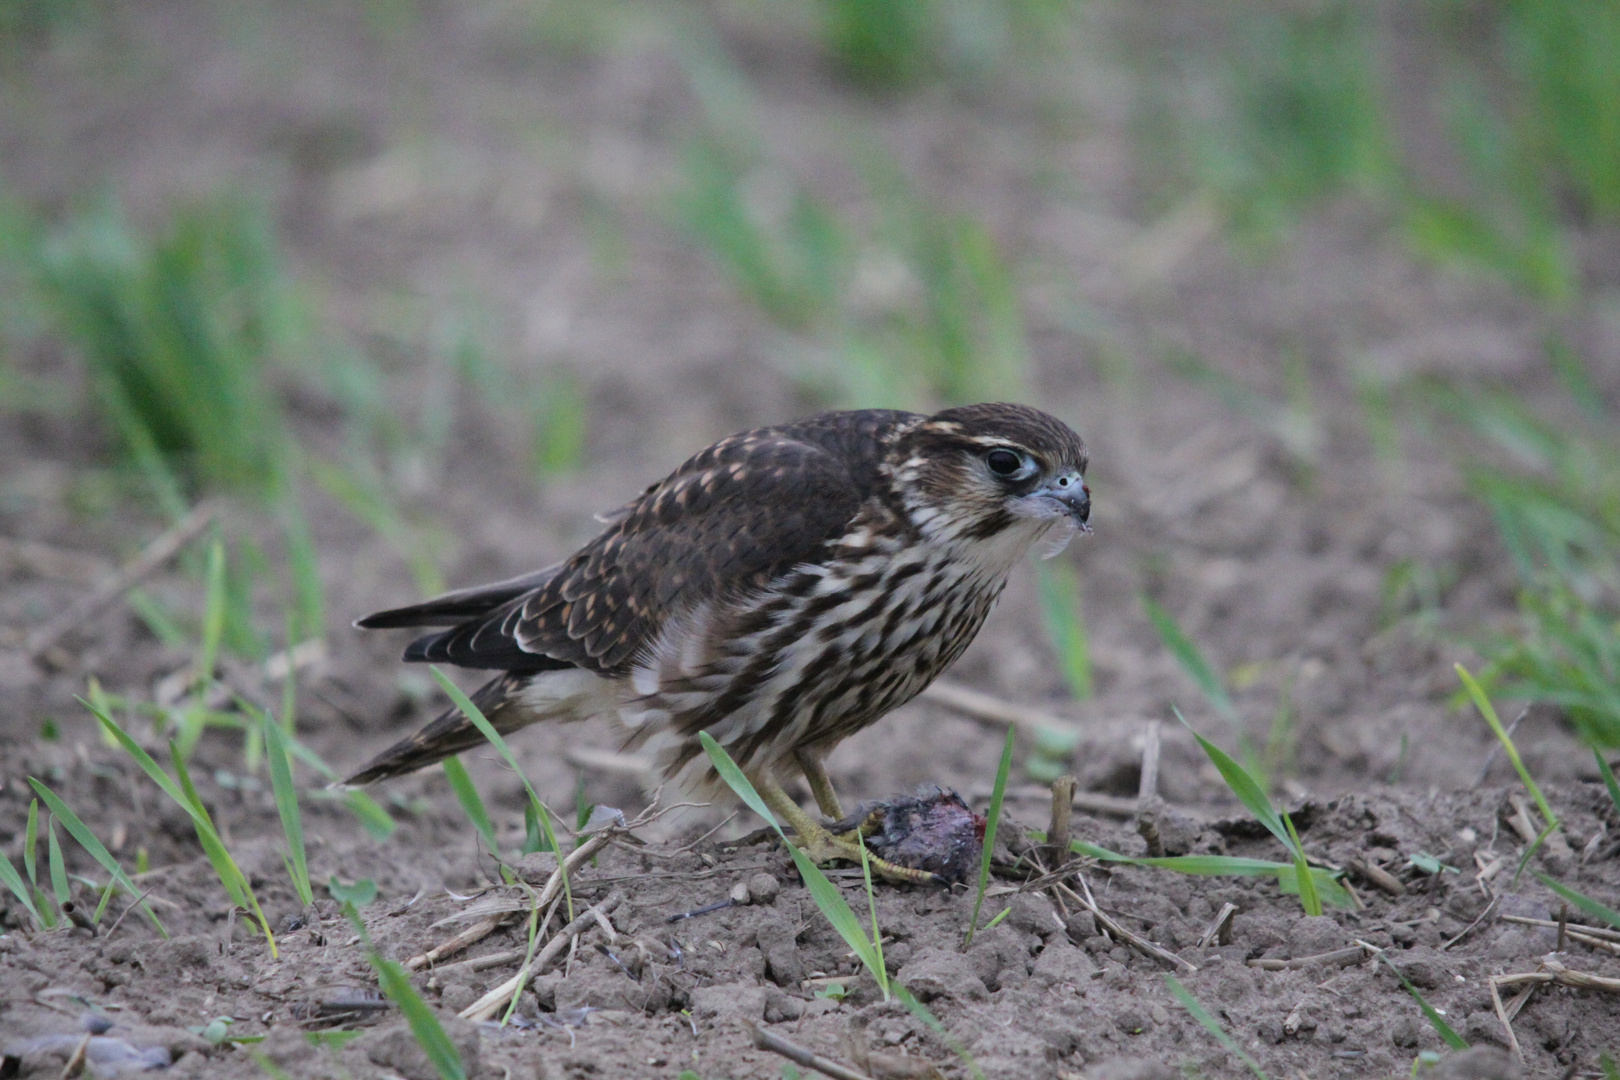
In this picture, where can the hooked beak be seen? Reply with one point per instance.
(1072, 496)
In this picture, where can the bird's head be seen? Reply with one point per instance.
(999, 474)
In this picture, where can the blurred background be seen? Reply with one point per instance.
(412, 288)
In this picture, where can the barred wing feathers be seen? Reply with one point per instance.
(726, 522)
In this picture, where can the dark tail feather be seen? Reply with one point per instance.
(458, 606)
(450, 734)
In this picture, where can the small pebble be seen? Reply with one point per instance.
(739, 893)
(762, 888)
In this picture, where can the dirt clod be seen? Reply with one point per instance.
(1477, 1063)
(943, 973)
(395, 1047)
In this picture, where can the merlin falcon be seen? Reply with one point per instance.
(781, 590)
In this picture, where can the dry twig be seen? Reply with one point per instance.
(800, 1055)
(498, 912)
(1507, 1025)
(1220, 928)
(491, 1003)
(1376, 876)
(1149, 785)
(1606, 934)
(475, 933)
(1469, 929)
(1551, 971)
(1343, 957)
(75, 1064)
(1057, 836)
(1108, 923)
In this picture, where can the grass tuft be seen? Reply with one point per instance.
(1253, 796)
(184, 795)
(177, 333)
(1301, 117)
(98, 851)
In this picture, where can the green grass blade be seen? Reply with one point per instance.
(281, 780)
(98, 851)
(425, 1027)
(31, 842)
(471, 802)
(1065, 626)
(1447, 1034)
(59, 881)
(13, 881)
(185, 796)
(1530, 853)
(1244, 786)
(1580, 900)
(1608, 778)
(365, 498)
(739, 783)
(101, 906)
(230, 875)
(373, 818)
(1483, 704)
(476, 715)
(1327, 886)
(1302, 872)
(825, 894)
(1191, 659)
(396, 984)
(881, 971)
(922, 1012)
(992, 819)
(1210, 1024)
(1201, 865)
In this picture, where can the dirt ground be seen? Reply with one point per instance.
(444, 157)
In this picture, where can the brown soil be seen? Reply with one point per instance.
(443, 158)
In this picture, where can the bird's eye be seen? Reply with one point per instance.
(1003, 462)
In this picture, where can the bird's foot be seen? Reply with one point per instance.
(825, 847)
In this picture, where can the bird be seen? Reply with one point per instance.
(781, 590)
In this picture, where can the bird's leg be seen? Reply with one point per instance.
(821, 786)
(821, 845)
